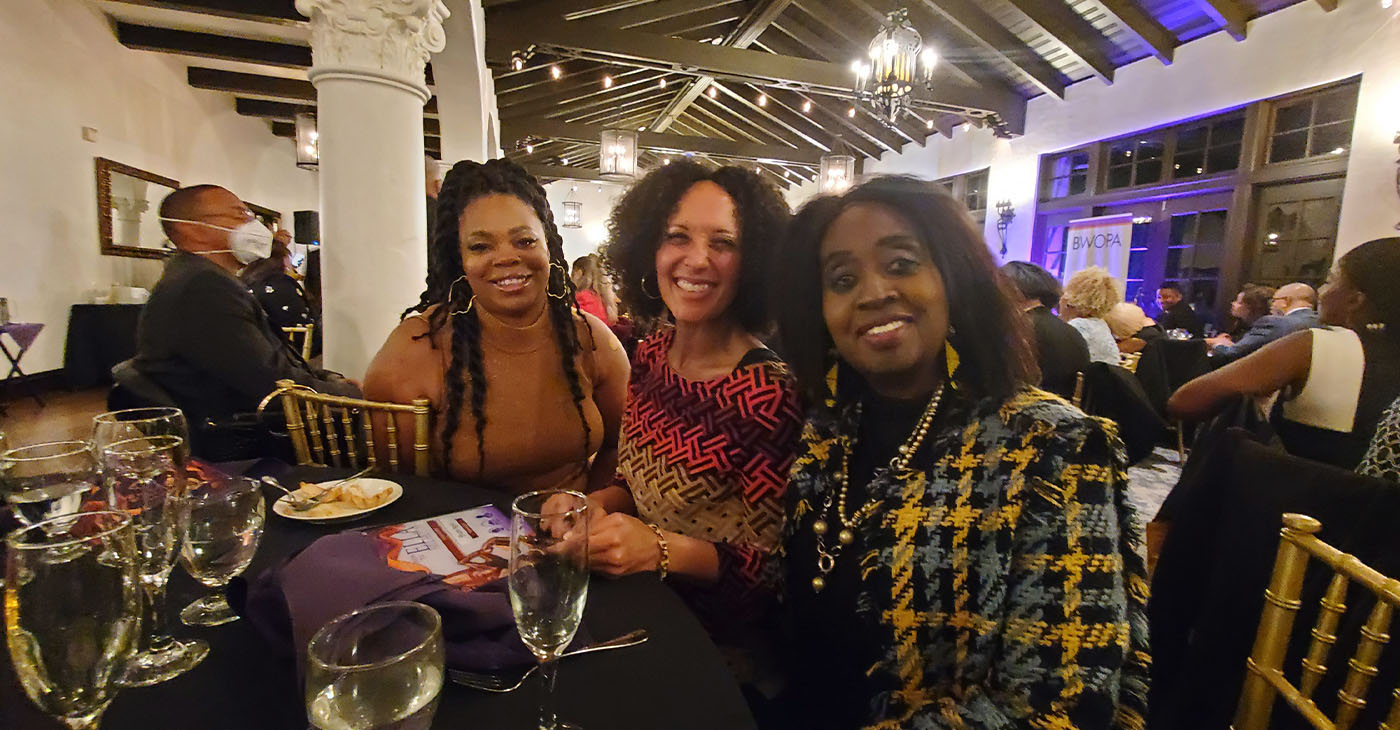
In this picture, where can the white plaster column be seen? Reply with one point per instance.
(367, 65)
(466, 91)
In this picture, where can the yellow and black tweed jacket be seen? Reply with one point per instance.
(1005, 580)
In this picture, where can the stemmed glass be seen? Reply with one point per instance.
(145, 477)
(376, 668)
(548, 580)
(130, 423)
(72, 611)
(47, 480)
(221, 522)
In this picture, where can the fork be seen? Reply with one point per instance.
(302, 504)
(503, 683)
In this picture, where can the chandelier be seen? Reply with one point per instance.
(897, 61)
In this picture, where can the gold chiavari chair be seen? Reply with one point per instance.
(1264, 675)
(323, 428)
(1077, 400)
(302, 332)
(1129, 360)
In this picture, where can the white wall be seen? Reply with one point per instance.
(62, 69)
(598, 200)
(1292, 49)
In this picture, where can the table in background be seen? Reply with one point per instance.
(99, 336)
(676, 680)
(23, 334)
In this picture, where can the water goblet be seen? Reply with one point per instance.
(130, 423)
(145, 477)
(47, 480)
(548, 580)
(72, 608)
(376, 668)
(221, 522)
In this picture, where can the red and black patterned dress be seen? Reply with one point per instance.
(709, 460)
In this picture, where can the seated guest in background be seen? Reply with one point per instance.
(941, 506)
(1251, 303)
(712, 414)
(1333, 381)
(1131, 327)
(527, 391)
(1382, 459)
(1292, 307)
(1089, 295)
(1060, 349)
(271, 282)
(594, 290)
(202, 336)
(1176, 313)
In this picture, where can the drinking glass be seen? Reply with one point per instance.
(376, 668)
(548, 580)
(221, 522)
(72, 611)
(47, 480)
(113, 426)
(145, 476)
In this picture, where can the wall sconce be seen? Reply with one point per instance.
(617, 154)
(837, 172)
(308, 142)
(1005, 214)
(573, 210)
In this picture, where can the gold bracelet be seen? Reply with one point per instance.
(664, 565)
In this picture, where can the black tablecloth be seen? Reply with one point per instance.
(675, 680)
(99, 336)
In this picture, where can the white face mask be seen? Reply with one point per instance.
(248, 242)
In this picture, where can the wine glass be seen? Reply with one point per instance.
(145, 476)
(47, 480)
(72, 611)
(113, 426)
(548, 580)
(376, 668)
(221, 522)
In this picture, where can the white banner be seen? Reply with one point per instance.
(1102, 241)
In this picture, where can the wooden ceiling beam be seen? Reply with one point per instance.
(653, 12)
(735, 105)
(1001, 43)
(272, 87)
(576, 104)
(1230, 15)
(585, 86)
(549, 128)
(831, 126)
(692, 22)
(551, 173)
(1159, 41)
(603, 116)
(208, 45)
(797, 124)
(831, 117)
(1079, 36)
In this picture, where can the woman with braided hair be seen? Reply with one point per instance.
(527, 390)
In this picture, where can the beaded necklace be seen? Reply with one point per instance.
(826, 557)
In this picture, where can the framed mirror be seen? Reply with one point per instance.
(128, 205)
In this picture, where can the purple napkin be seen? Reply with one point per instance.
(340, 573)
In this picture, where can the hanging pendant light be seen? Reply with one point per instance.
(308, 142)
(897, 60)
(617, 154)
(573, 210)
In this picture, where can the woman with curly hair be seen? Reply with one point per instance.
(712, 414)
(594, 289)
(1089, 295)
(960, 549)
(498, 334)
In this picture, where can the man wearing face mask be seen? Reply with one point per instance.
(202, 336)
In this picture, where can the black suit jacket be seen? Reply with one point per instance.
(1266, 329)
(1061, 350)
(205, 340)
(1181, 316)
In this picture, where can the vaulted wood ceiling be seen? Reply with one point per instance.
(760, 81)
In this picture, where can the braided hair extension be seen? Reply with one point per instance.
(466, 181)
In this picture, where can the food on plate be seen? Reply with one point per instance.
(349, 496)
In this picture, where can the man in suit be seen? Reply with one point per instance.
(202, 336)
(1292, 310)
(1059, 347)
(1176, 313)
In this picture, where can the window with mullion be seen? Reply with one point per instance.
(1133, 162)
(1313, 126)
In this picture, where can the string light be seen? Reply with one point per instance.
(607, 81)
(661, 83)
(928, 124)
(851, 112)
(763, 100)
(807, 106)
(555, 72)
(712, 92)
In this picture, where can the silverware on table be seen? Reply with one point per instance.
(302, 504)
(511, 682)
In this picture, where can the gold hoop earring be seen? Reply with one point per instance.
(453, 288)
(648, 294)
(564, 286)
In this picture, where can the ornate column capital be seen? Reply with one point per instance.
(385, 39)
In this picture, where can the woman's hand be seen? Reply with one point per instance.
(620, 544)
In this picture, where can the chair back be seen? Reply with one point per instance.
(1129, 360)
(332, 430)
(303, 333)
(1077, 400)
(1264, 680)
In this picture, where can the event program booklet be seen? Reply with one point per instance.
(467, 549)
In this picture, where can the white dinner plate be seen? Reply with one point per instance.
(337, 511)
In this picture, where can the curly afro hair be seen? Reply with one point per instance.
(638, 224)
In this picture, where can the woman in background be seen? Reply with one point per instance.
(1131, 327)
(594, 290)
(282, 297)
(1089, 295)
